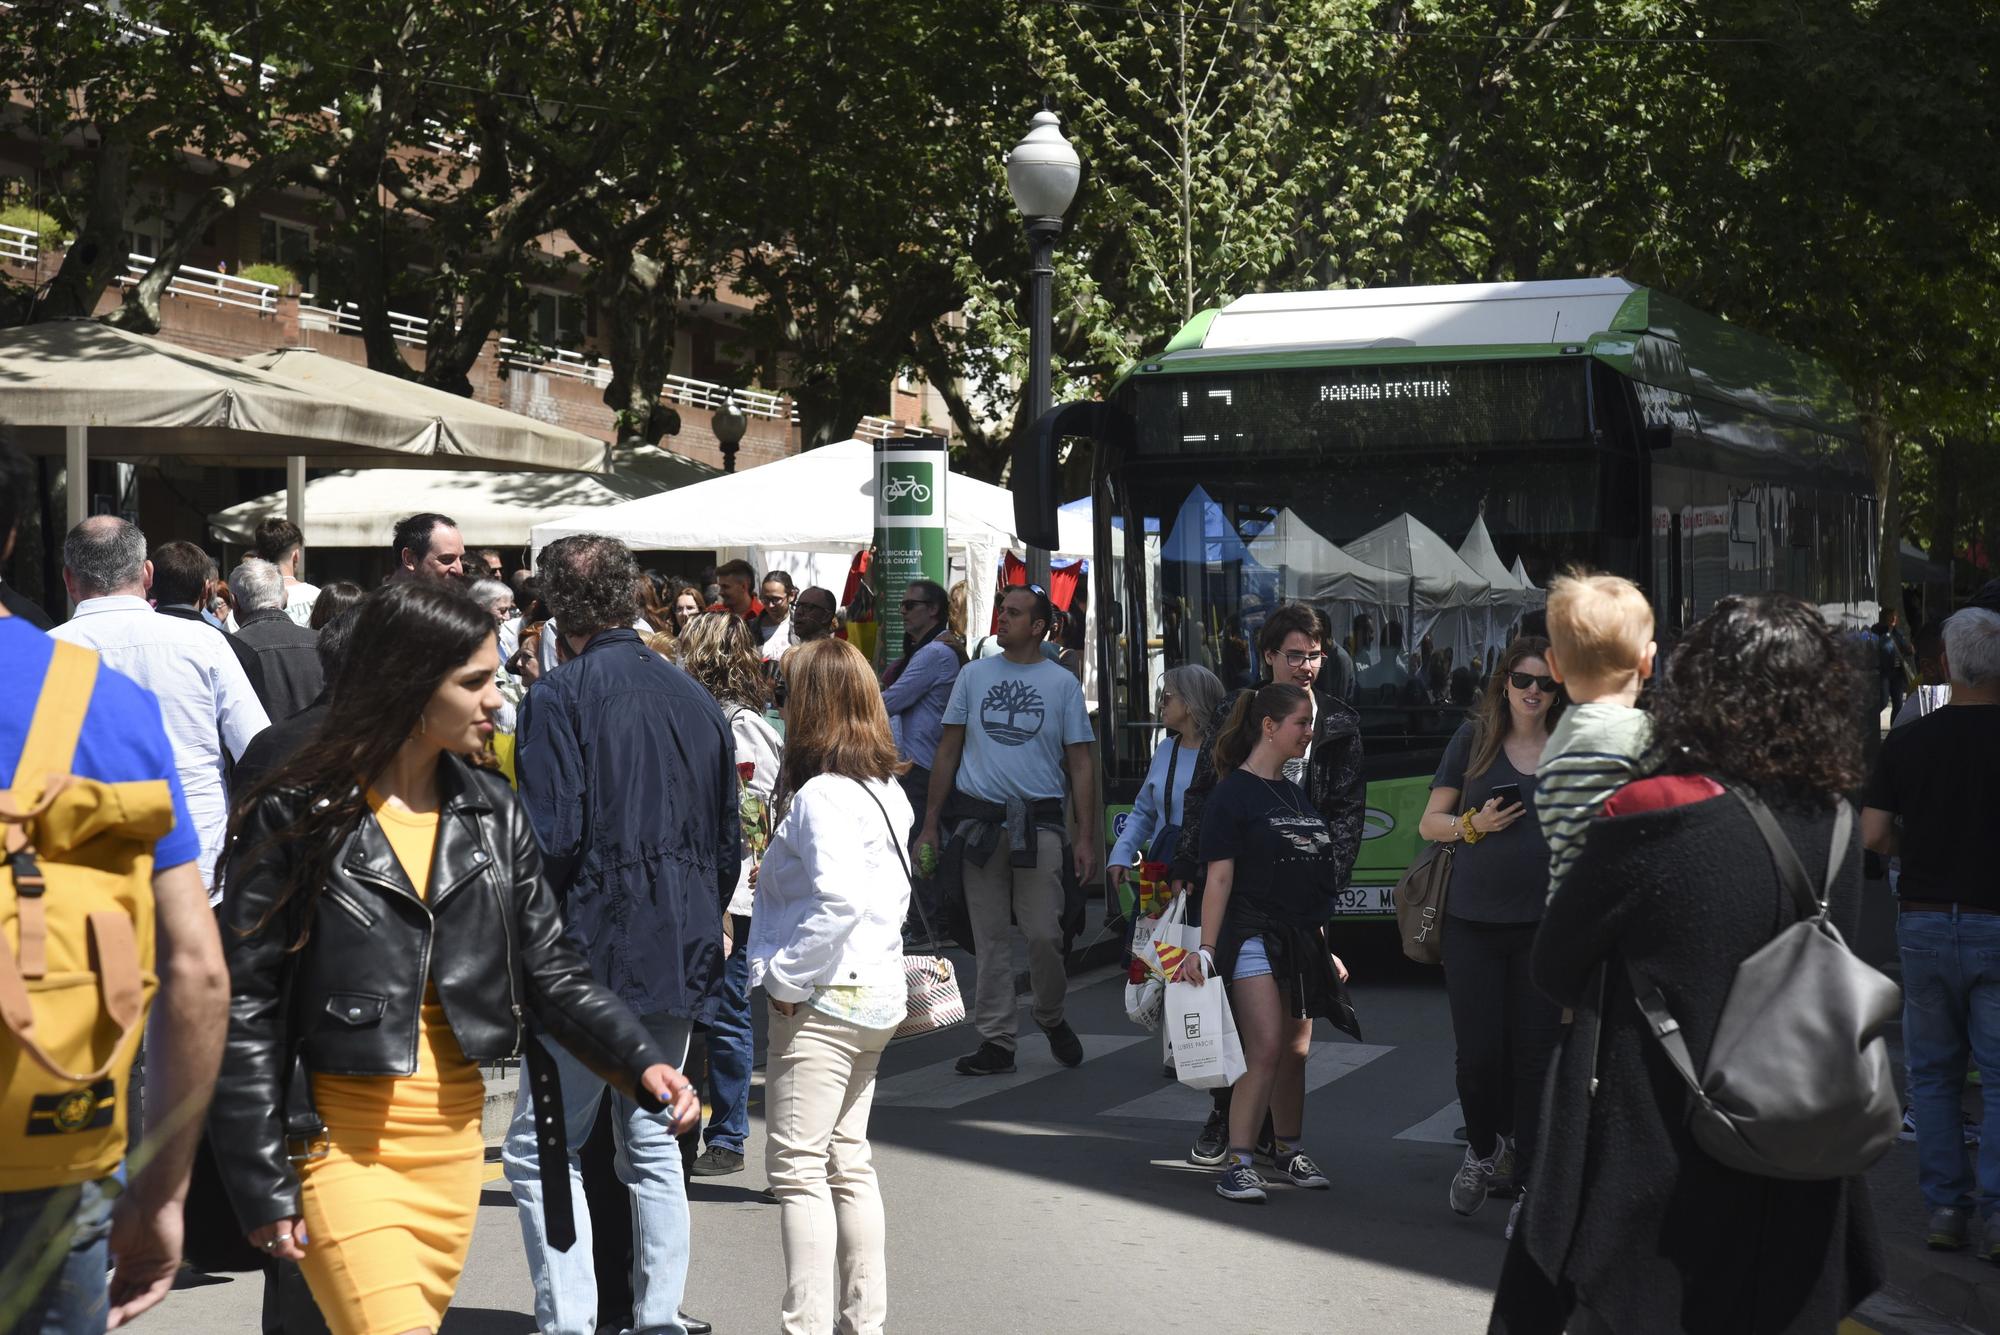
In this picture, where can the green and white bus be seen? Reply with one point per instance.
(1418, 462)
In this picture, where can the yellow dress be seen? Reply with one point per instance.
(389, 1210)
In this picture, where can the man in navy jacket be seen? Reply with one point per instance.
(629, 778)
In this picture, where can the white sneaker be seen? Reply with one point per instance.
(1468, 1187)
(1514, 1215)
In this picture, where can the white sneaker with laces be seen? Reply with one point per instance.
(1468, 1186)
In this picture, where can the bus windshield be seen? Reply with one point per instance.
(1424, 562)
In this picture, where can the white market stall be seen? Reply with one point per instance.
(809, 514)
(1448, 599)
(360, 507)
(1511, 596)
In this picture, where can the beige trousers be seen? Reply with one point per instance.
(998, 896)
(819, 1086)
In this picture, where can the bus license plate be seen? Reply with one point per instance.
(1369, 899)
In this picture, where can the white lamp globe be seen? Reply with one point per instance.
(1043, 170)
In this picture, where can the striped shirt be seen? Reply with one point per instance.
(1596, 749)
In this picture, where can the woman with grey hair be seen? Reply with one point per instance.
(495, 597)
(1190, 695)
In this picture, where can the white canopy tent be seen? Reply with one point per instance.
(809, 514)
(1312, 567)
(1511, 597)
(1446, 600)
(359, 508)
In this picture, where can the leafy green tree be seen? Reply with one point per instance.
(118, 93)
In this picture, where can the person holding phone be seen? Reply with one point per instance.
(1484, 799)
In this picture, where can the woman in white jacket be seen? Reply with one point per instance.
(826, 944)
(720, 652)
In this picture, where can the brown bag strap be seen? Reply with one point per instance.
(119, 979)
(58, 722)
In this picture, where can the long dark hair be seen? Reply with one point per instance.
(1758, 691)
(1492, 720)
(407, 637)
(1243, 729)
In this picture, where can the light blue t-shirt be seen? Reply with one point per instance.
(1018, 717)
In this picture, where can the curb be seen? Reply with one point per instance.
(1956, 1285)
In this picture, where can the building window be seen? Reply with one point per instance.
(289, 244)
(562, 319)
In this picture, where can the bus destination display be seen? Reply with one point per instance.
(1344, 409)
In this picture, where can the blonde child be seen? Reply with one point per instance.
(1601, 648)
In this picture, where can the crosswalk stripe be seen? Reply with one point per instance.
(939, 1086)
(1326, 1063)
(1437, 1128)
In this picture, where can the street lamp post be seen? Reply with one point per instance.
(1042, 173)
(728, 424)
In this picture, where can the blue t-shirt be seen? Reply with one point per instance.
(1017, 720)
(123, 739)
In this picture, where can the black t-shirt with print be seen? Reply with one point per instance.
(1281, 847)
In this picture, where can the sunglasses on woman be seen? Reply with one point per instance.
(1522, 681)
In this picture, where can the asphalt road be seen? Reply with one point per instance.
(1055, 1200)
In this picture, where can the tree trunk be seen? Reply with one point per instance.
(640, 302)
(98, 254)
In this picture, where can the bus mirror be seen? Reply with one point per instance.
(1036, 469)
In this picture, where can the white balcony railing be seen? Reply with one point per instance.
(224, 289)
(413, 331)
(18, 244)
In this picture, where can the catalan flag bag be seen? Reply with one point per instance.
(76, 943)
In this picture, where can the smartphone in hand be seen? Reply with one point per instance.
(1509, 795)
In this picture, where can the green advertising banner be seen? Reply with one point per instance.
(909, 530)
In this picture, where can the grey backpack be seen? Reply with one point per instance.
(1797, 1084)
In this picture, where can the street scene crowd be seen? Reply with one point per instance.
(579, 815)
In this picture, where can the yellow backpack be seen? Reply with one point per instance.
(76, 943)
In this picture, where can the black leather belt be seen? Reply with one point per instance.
(1943, 906)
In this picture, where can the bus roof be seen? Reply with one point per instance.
(1640, 332)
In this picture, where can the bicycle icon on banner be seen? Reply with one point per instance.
(896, 488)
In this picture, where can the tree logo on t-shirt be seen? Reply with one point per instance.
(1012, 712)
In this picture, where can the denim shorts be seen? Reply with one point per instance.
(1251, 961)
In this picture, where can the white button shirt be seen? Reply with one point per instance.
(205, 699)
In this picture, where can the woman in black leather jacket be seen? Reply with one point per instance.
(387, 927)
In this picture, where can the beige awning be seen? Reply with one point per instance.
(141, 399)
(464, 428)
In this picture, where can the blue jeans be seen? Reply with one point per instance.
(649, 1164)
(1951, 1010)
(54, 1252)
(732, 1048)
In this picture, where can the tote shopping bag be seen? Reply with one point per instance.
(1207, 1052)
(934, 999)
(1167, 927)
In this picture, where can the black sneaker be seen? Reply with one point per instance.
(716, 1161)
(1298, 1169)
(1242, 1183)
(1267, 1150)
(991, 1059)
(1211, 1147)
(1064, 1043)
